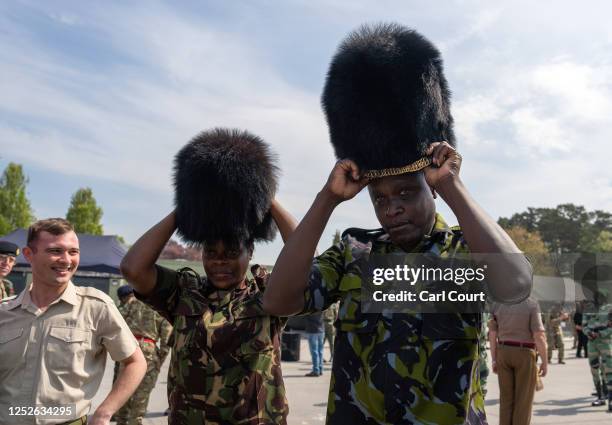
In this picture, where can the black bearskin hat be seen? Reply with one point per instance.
(224, 181)
(386, 98)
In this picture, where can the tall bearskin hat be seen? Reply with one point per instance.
(224, 181)
(386, 99)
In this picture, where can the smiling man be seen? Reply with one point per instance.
(388, 109)
(54, 338)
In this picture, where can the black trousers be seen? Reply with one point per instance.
(583, 342)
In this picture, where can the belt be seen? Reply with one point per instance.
(518, 344)
(80, 421)
(145, 339)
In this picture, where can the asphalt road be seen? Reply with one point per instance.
(566, 398)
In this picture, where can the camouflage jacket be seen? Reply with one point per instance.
(392, 368)
(331, 314)
(599, 322)
(145, 322)
(225, 366)
(552, 321)
(6, 288)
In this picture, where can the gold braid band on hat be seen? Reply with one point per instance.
(417, 165)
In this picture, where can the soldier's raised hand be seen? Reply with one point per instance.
(345, 180)
(446, 163)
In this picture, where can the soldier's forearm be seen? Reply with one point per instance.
(138, 264)
(541, 347)
(284, 294)
(127, 381)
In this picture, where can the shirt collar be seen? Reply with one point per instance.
(69, 295)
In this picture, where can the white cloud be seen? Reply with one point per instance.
(531, 103)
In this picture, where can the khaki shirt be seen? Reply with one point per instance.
(517, 322)
(57, 356)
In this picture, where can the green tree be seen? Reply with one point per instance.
(566, 228)
(15, 209)
(534, 248)
(601, 243)
(84, 213)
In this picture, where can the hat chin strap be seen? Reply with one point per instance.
(417, 165)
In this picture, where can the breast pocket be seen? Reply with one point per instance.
(12, 347)
(66, 349)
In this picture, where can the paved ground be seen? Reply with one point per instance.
(565, 399)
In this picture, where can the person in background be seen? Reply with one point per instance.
(315, 332)
(150, 330)
(516, 336)
(554, 334)
(329, 317)
(8, 255)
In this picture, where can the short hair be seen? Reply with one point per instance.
(56, 226)
(254, 267)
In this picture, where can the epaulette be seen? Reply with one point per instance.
(89, 291)
(189, 277)
(363, 235)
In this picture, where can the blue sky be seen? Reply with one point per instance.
(103, 94)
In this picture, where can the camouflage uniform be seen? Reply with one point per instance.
(482, 354)
(600, 355)
(147, 326)
(6, 289)
(225, 366)
(396, 368)
(554, 336)
(329, 317)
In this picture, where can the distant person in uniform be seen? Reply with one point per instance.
(329, 318)
(8, 256)
(150, 329)
(554, 334)
(597, 325)
(225, 366)
(516, 336)
(56, 336)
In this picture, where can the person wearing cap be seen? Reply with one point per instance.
(225, 365)
(8, 255)
(150, 329)
(517, 335)
(387, 108)
(55, 337)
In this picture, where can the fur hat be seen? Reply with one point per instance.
(224, 181)
(386, 98)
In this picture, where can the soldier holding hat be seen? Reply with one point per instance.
(8, 255)
(225, 365)
(388, 111)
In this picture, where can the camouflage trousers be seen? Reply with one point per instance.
(600, 361)
(330, 334)
(132, 412)
(555, 340)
